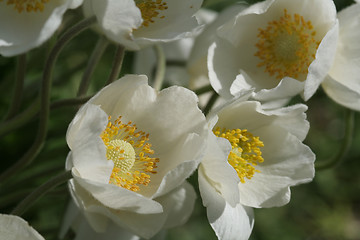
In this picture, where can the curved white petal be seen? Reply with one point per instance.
(341, 94)
(234, 50)
(15, 228)
(343, 83)
(178, 21)
(218, 172)
(116, 19)
(178, 205)
(227, 221)
(177, 131)
(287, 161)
(21, 32)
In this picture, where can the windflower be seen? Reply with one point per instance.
(254, 156)
(343, 81)
(279, 48)
(131, 150)
(135, 23)
(25, 25)
(177, 54)
(15, 228)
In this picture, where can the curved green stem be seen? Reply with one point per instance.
(203, 90)
(160, 67)
(33, 110)
(90, 68)
(346, 143)
(21, 119)
(45, 98)
(40, 191)
(19, 85)
(117, 64)
(210, 103)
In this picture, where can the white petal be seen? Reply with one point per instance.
(320, 67)
(287, 162)
(178, 22)
(21, 32)
(85, 231)
(119, 198)
(117, 19)
(144, 225)
(218, 172)
(223, 67)
(241, 32)
(342, 94)
(15, 228)
(228, 222)
(178, 205)
(347, 61)
(88, 154)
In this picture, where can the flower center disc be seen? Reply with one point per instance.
(286, 47)
(130, 151)
(150, 9)
(245, 153)
(27, 5)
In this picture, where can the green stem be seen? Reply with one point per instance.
(19, 86)
(346, 143)
(117, 64)
(210, 103)
(90, 68)
(45, 98)
(21, 119)
(160, 67)
(40, 191)
(69, 102)
(203, 90)
(33, 110)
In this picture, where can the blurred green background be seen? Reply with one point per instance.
(327, 208)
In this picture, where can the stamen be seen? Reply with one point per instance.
(245, 153)
(130, 151)
(27, 5)
(150, 9)
(287, 46)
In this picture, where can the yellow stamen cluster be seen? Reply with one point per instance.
(287, 46)
(245, 153)
(151, 9)
(27, 5)
(130, 151)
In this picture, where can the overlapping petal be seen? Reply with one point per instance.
(23, 31)
(177, 131)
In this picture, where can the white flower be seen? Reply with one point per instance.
(135, 23)
(279, 48)
(343, 81)
(15, 228)
(256, 156)
(25, 25)
(132, 168)
(176, 53)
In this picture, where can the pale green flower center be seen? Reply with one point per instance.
(121, 153)
(150, 10)
(27, 5)
(287, 46)
(130, 151)
(245, 154)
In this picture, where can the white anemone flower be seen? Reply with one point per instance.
(131, 150)
(279, 48)
(254, 156)
(135, 23)
(15, 228)
(176, 54)
(343, 81)
(25, 25)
